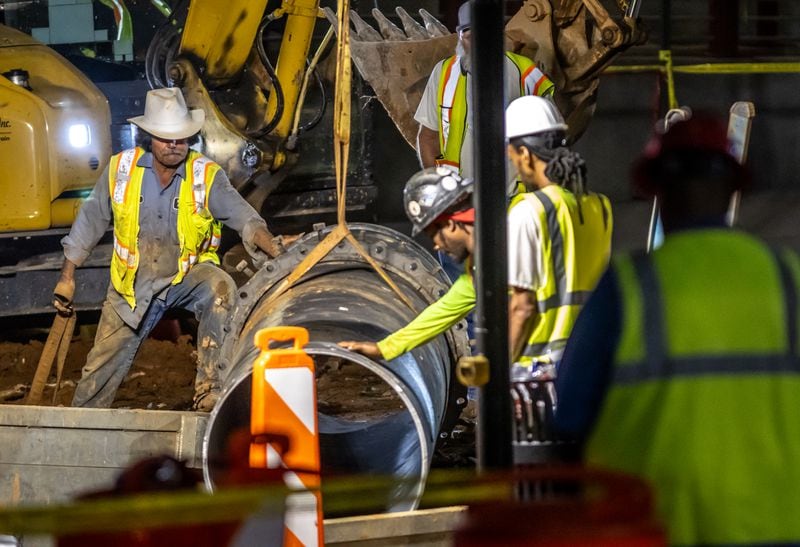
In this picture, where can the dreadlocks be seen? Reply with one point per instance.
(565, 167)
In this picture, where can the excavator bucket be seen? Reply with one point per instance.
(397, 62)
(570, 40)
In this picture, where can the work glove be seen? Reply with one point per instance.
(62, 296)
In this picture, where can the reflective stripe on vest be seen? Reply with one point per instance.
(127, 160)
(566, 288)
(532, 81)
(200, 167)
(703, 396)
(452, 105)
(659, 365)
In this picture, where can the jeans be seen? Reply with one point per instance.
(206, 290)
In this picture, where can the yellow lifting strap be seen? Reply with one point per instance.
(341, 143)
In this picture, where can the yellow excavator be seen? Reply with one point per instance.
(54, 124)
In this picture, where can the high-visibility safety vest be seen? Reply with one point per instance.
(576, 245)
(703, 399)
(198, 233)
(452, 101)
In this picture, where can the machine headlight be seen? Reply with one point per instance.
(79, 135)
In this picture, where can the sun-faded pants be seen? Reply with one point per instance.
(206, 290)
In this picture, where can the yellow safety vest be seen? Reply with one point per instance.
(576, 252)
(452, 101)
(198, 233)
(703, 399)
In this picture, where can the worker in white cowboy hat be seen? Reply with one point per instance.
(166, 204)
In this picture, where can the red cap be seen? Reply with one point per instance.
(466, 216)
(702, 132)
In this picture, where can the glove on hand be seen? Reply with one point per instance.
(62, 296)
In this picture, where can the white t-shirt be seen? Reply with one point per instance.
(428, 110)
(525, 260)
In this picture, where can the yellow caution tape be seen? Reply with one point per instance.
(669, 69)
(151, 510)
(666, 56)
(350, 495)
(710, 68)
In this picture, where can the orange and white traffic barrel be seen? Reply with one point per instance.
(284, 403)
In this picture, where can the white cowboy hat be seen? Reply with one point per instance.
(166, 115)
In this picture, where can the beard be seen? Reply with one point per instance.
(171, 159)
(459, 253)
(461, 51)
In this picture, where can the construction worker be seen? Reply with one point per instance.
(559, 243)
(559, 236)
(445, 127)
(166, 204)
(445, 110)
(683, 367)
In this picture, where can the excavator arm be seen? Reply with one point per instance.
(570, 40)
(215, 52)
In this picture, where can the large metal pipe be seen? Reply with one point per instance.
(400, 410)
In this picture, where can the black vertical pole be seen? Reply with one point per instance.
(491, 279)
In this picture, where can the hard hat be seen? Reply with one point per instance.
(431, 192)
(703, 133)
(463, 17)
(530, 114)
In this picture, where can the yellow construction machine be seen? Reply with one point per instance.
(54, 124)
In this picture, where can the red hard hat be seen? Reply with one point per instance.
(702, 132)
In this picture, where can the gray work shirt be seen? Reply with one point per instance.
(159, 249)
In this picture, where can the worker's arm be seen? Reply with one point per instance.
(431, 322)
(524, 267)
(427, 146)
(228, 206)
(521, 315)
(427, 116)
(94, 218)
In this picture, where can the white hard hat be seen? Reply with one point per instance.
(530, 114)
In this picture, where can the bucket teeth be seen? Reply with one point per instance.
(389, 30)
(414, 30)
(434, 27)
(364, 31)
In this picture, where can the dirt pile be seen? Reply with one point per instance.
(162, 375)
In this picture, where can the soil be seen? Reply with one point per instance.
(162, 375)
(350, 392)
